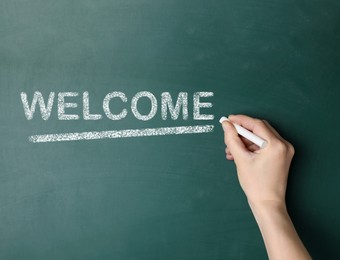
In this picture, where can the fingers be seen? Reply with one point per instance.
(253, 148)
(278, 136)
(230, 157)
(240, 149)
(257, 126)
(272, 129)
(250, 147)
(236, 147)
(228, 154)
(246, 141)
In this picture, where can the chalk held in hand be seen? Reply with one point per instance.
(246, 133)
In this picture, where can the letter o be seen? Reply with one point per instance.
(153, 110)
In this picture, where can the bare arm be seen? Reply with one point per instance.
(263, 175)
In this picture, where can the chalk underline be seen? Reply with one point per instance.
(94, 135)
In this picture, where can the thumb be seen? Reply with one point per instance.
(233, 141)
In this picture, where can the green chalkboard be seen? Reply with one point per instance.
(171, 196)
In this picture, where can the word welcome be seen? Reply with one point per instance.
(166, 103)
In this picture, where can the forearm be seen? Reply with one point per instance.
(278, 232)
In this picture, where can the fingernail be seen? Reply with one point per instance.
(223, 119)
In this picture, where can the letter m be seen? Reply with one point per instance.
(182, 102)
(37, 98)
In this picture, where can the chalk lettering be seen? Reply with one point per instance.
(153, 101)
(106, 105)
(167, 105)
(37, 98)
(198, 105)
(182, 101)
(62, 105)
(86, 108)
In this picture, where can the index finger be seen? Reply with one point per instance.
(255, 125)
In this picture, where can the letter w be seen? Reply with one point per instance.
(37, 98)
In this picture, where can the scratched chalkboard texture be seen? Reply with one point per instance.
(170, 196)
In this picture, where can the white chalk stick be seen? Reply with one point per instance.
(247, 134)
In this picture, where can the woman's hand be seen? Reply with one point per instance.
(263, 177)
(262, 172)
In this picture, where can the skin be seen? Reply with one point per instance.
(263, 175)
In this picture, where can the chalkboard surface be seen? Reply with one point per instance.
(166, 196)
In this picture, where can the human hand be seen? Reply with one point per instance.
(263, 177)
(262, 173)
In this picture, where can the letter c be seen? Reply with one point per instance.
(106, 105)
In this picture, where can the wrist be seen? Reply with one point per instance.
(267, 208)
